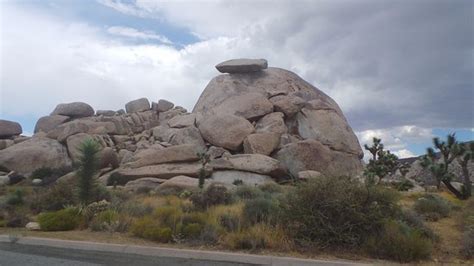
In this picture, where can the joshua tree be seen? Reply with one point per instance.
(87, 167)
(449, 151)
(382, 162)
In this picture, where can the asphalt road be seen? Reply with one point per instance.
(25, 255)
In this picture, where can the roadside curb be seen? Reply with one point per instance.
(171, 252)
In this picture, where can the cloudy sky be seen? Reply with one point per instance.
(401, 70)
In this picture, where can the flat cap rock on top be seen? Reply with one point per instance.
(242, 65)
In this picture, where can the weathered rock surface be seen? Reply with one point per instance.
(182, 182)
(164, 105)
(74, 110)
(9, 128)
(5, 143)
(272, 123)
(308, 174)
(242, 65)
(50, 122)
(313, 155)
(106, 112)
(228, 177)
(92, 127)
(249, 106)
(261, 143)
(179, 153)
(227, 131)
(182, 121)
(138, 105)
(145, 182)
(165, 171)
(255, 163)
(287, 104)
(33, 154)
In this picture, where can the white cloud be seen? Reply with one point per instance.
(396, 139)
(134, 33)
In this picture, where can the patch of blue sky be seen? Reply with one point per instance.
(103, 17)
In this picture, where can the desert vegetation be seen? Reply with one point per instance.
(360, 218)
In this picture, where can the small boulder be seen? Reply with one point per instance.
(9, 128)
(36, 182)
(50, 122)
(145, 182)
(179, 153)
(138, 105)
(242, 65)
(308, 174)
(105, 112)
(33, 226)
(261, 143)
(226, 131)
(74, 110)
(272, 123)
(182, 182)
(180, 121)
(164, 105)
(287, 104)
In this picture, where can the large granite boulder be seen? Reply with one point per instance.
(33, 154)
(50, 122)
(255, 163)
(138, 105)
(9, 129)
(226, 131)
(179, 153)
(301, 114)
(228, 178)
(74, 110)
(164, 171)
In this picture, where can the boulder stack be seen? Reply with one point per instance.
(255, 124)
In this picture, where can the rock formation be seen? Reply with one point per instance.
(256, 124)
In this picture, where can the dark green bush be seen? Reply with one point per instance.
(15, 198)
(432, 207)
(337, 211)
(49, 175)
(397, 241)
(237, 182)
(117, 179)
(261, 210)
(405, 185)
(62, 220)
(247, 192)
(41, 173)
(148, 228)
(213, 195)
(192, 230)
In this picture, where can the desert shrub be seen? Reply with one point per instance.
(136, 209)
(271, 188)
(230, 222)
(209, 234)
(397, 241)
(261, 210)
(15, 198)
(41, 173)
(468, 244)
(404, 185)
(169, 191)
(54, 198)
(110, 221)
(260, 236)
(168, 216)
(192, 230)
(62, 220)
(148, 228)
(337, 211)
(117, 179)
(237, 182)
(213, 195)
(247, 192)
(432, 207)
(414, 220)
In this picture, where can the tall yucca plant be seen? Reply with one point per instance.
(87, 167)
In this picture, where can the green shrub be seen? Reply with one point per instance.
(54, 198)
(168, 216)
(237, 182)
(62, 220)
(257, 237)
(432, 207)
(414, 220)
(135, 209)
(397, 241)
(261, 210)
(213, 195)
(148, 228)
(192, 230)
(247, 192)
(15, 198)
(337, 211)
(104, 221)
(405, 185)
